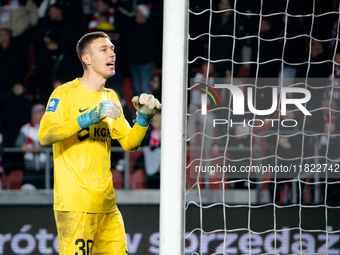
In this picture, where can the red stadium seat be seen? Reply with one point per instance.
(138, 180)
(14, 179)
(133, 158)
(117, 178)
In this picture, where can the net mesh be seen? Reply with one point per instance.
(288, 203)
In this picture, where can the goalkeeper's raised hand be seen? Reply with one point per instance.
(147, 106)
(107, 108)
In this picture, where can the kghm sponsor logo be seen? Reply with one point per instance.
(238, 103)
(99, 134)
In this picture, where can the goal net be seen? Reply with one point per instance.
(263, 125)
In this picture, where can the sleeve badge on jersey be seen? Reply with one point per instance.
(52, 106)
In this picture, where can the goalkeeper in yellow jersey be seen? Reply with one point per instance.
(80, 119)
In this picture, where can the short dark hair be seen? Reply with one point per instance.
(85, 41)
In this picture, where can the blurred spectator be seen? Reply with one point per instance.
(205, 74)
(76, 8)
(43, 8)
(269, 49)
(19, 16)
(1, 151)
(327, 122)
(156, 86)
(223, 28)
(28, 141)
(143, 47)
(251, 28)
(269, 53)
(87, 7)
(198, 24)
(294, 49)
(55, 40)
(196, 118)
(317, 72)
(334, 34)
(15, 111)
(155, 139)
(104, 17)
(152, 153)
(124, 11)
(333, 89)
(13, 62)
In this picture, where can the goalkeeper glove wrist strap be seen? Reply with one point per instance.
(84, 120)
(143, 119)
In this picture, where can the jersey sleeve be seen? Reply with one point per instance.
(54, 126)
(129, 138)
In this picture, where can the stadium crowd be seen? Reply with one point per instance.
(37, 54)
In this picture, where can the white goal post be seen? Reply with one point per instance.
(174, 77)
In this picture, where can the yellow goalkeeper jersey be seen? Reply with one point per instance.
(82, 177)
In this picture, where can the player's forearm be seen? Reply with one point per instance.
(50, 133)
(132, 141)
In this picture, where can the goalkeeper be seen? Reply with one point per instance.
(80, 120)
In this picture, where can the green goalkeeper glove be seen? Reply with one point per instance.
(107, 108)
(147, 106)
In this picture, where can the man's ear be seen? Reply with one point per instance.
(86, 59)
